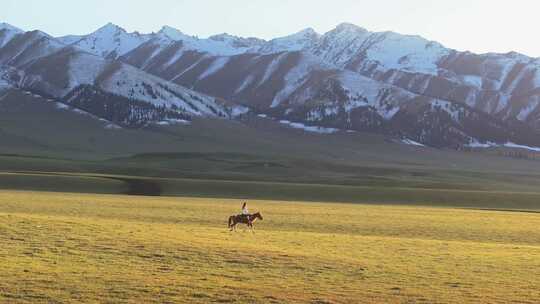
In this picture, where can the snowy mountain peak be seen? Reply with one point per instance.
(9, 27)
(7, 32)
(109, 41)
(238, 42)
(174, 34)
(349, 27)
(39, 34)
(113, 29)
(223, 37)
(110, 28)
(519, 57)
(346, 31)
(308, 33)
(227, 38)
(295, 42)
(221, 45)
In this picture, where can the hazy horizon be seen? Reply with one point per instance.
(479, 26)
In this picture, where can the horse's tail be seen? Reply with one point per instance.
(231, 219)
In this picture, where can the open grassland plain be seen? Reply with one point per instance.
(490, 195)
(72, 248)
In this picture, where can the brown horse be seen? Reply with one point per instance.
(248, 219)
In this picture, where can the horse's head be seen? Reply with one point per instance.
(258, 215)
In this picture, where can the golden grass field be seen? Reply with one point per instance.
(72, 248)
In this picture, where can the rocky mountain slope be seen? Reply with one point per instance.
(346, 79)
(350, 78)
(38, 63)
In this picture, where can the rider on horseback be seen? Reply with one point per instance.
(244, 218)
(245, 211)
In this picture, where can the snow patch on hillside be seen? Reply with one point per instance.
(295, 78)
(313, 129)
(192, 66)
(84, 69)
(244, 84)
(472, 80)
(169, 122)
(131, 83)
(477, 144)
(513, 145)
(502, 102)
(360, 86)
(171, 60)
(389, 113)
(61, 106)
(526, 111)
(413, 53)
(111, 126)
(239, 110)
(272, 67)
(214, 67)
(411, 142)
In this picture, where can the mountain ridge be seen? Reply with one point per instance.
(40, 64)
(347, 78)
(417, 65)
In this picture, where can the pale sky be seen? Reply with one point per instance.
(475, 25)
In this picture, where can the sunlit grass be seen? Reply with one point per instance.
(122, 249)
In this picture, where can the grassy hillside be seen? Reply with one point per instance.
(252, 158)
(94, 248)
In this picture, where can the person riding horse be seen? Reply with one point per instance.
(245, 211)
(244, 218)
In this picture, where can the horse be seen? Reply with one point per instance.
(248, 219)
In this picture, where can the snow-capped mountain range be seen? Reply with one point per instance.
(125, 95)
(112, 41)
(348, 78)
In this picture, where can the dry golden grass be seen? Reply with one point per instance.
(71, 248)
